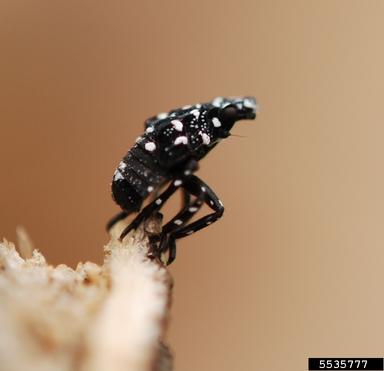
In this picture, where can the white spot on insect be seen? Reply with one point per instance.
(158, 201)
(181, 140)
(221, 203)
(178, 222)
(208, 223)
(118, 176)
(186, 107)
(203, 189)
(217, 101)
(206, 138)
(150, 189)
(198, 105)
(190, 232)
(192, 209)
(162, 115)
(150, 129)
(249, 103)
(211, 202)
(216, 122)
(196, 113)
(187, 172)
(177, 124)
(150, 146)
(138, 139)
(122, 165)
(177, 182)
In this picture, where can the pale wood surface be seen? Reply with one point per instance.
(92, 318)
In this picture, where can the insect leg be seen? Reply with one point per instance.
(201, 190)
(187, 211)
(167, 243)
(155, 205)
(186, 199)
(172, 251)
(120, 216)
(203, 193)
(183, 216)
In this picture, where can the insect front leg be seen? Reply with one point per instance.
(177, 229)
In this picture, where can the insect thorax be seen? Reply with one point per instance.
(183, 134)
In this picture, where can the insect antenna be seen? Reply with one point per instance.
(238, 136)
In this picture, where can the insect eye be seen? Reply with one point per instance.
(229, 113)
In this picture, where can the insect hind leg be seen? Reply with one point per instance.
(120, 216)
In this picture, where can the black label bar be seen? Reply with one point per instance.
(346, 364)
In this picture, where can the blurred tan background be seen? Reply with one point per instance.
(295, 267)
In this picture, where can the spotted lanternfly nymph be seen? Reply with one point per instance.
(169, 152)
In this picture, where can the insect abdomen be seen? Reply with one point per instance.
(136, 176)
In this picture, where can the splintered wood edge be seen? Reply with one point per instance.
(134, 279)
(95, 318)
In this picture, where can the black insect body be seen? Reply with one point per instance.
(169, 151)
